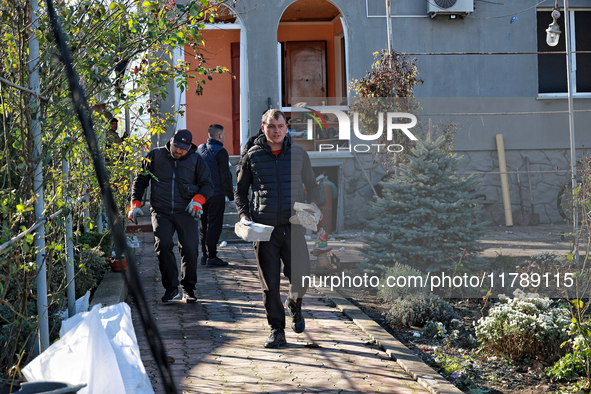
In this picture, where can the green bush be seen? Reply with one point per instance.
(524, 327)
(418, 309)
(545, 261)
(92, 239)
(434, 329)
(89, 269)
(389, 293)
(569, 366)
(504, 263)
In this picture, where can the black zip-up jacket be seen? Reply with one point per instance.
(276, 182)
(166, 174)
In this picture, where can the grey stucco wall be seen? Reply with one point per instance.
(491, 28)
(444, 76)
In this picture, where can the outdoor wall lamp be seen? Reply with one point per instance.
(553, 31)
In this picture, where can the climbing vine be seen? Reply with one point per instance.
(122, 52)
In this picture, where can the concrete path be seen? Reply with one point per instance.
(217, 343)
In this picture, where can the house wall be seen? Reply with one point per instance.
(215, 105)
(485, 94)
(503, 84)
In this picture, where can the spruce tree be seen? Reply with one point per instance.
(427, 217)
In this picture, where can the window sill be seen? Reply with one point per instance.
(554, 96)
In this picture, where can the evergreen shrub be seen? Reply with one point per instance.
(427, 217)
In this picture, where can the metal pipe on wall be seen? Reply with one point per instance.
(389, 25)
(504, 181)
(570, 75)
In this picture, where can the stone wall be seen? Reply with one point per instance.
(549, 171)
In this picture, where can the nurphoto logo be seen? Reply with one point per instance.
(393, 122)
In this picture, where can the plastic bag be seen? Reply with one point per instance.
(82, 304)
(98, 348)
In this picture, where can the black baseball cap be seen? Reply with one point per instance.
(182, 139)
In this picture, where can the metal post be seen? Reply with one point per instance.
(127, 122)
(86, 213)
(571, 121)
(71, 290)
(99, 220)
(389, 25)
(38, 180)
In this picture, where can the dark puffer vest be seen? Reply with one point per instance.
(276, 182)
(209, 155)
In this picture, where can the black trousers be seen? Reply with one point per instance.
(287, 244)
(187, 229)
(212, 220)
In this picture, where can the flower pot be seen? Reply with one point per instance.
(118, 265)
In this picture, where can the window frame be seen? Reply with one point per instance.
(573, 45)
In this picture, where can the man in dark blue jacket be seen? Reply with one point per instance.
(275, 169)
(217, 160)
(180, 185)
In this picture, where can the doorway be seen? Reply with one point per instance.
(304, 70)
(310, 54)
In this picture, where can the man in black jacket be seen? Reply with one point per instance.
(275, 169)
(217, 160)
(180, 185)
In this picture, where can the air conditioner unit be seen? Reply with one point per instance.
(450, 7)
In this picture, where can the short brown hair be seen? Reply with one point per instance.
(273, 113)
(215, 130)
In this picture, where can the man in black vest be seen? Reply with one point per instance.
(217, 160)
(275, 169)
(180, 185)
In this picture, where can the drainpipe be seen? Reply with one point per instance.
(389, 25)
(504, 181)
(38, 180)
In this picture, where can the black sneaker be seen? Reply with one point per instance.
(170, 294)
(203, 260)
(298, 324)
(189, 296)
(276, 338)
(216, 262)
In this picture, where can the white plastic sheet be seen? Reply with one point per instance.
(82, 304)
(98, 348)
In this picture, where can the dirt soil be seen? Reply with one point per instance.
(482, 373)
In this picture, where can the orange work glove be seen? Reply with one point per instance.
(195, 207)
(135, 210)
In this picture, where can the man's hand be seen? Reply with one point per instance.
(135, 210)
(232, 204)
(195, 207)
(245, 220)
